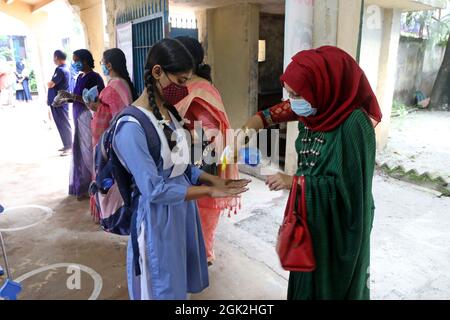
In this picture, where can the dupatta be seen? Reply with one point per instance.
(204, 93)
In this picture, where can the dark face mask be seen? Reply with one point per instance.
(174, 93)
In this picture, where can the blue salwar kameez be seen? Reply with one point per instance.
(172, 254)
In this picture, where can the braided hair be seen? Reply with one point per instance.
(118, 61)
(173, 57)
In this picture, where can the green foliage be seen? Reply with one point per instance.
(432, 24)
(400, 109)
(32, 81)
(5, 52)
(440, 30)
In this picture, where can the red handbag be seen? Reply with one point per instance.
(294, 245)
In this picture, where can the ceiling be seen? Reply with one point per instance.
(30, 2)
(272, 6)
(34, 4)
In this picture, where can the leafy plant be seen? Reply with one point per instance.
(32, 81)
(6, 53)
(430, 24)
(399, 109)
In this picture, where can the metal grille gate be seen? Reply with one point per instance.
(145, 34)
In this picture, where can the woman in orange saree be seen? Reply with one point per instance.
(204, 104)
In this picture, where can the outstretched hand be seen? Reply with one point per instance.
(279, 182)
(222, 188)
(226, 192)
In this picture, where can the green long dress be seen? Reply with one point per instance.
(338, 167)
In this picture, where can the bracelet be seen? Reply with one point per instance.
(268, 117)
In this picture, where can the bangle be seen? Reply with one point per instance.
(268, 117)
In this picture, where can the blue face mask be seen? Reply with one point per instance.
(302, 107)
(105, 70)
(77, 66)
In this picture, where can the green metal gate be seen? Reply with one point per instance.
(145, 34)
(149, 22)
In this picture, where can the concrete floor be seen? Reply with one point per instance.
(410, 246)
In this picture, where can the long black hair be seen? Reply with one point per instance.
(118, 61)
(85, 57)
(198, 53)
(173, 57)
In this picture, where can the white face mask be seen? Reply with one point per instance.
(302, 107)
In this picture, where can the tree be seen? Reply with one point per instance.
(437, 32)
(440, 96)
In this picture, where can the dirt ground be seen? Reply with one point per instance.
(410, 243)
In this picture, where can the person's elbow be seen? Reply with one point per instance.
(168, 195)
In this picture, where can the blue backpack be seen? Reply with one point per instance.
(115, 192)
(116, 195)
(114, 189)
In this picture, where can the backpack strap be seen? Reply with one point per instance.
(153, 141)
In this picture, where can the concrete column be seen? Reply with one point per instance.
(372, 35)
(325, 22)
(91, 15)
(205, 27)
(298, 36)
(233, 45)
(386, 73)
(349, 19)
(111, 13)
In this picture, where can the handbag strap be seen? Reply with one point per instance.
(292, 202)
(301, 207)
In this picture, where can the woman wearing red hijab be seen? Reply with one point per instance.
(337, 111)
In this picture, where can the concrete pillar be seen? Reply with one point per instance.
(111, 13)
(325, 22)
(232, 42)
(372, 35)
(349, 20)
(298, 36)
(387, 69)
(205, 27)
(91, 15)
